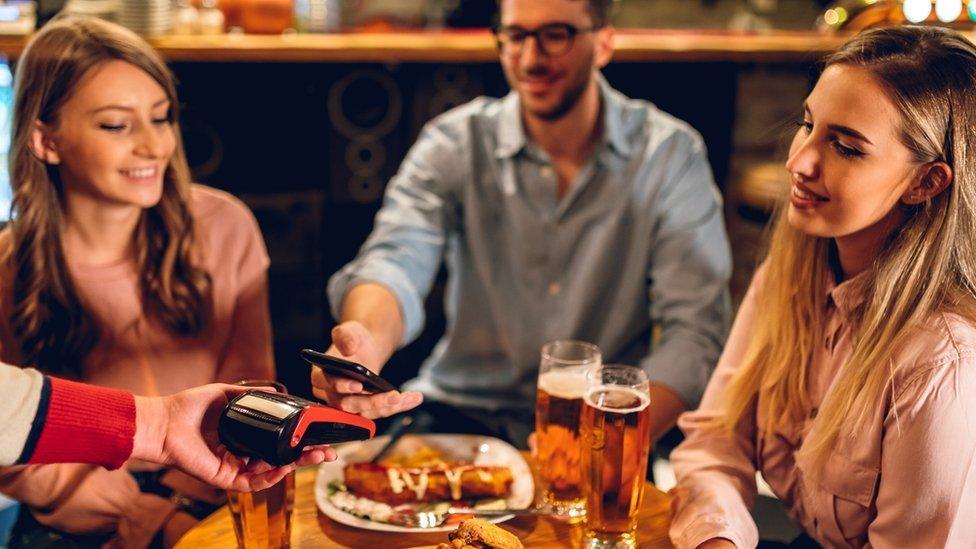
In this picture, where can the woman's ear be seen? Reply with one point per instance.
(42, 144)
(932, 179)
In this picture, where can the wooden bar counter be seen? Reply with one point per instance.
(310, 528)
(477, 46)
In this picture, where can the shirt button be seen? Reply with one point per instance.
(546, 172)
(554, 288)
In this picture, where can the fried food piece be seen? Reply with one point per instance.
(456, 544)
(481, 534)
(425, 456)
(394, 485)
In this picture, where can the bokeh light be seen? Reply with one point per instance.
(948, 10)
(917, 11)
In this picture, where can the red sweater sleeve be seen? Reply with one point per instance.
(79, 423)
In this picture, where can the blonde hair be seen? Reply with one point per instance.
(52, 327)
(927, 266)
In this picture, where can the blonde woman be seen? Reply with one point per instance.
(117, 271)
(849, 380)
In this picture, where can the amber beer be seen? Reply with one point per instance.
(558, 405)
(615, 425)
(263, 519)
(559, 400)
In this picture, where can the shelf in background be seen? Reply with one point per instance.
(477, 46)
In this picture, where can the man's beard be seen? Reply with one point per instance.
(577, 87)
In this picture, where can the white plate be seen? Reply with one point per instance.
(480, 450)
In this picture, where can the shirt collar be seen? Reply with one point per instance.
(849, 294)
(616, 119)
(511, 132)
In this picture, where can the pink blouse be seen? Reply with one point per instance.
(906, 479)
(135, 354)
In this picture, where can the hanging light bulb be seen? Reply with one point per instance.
(917, 11)
(948, 10)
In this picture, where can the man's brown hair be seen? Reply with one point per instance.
(600, 11)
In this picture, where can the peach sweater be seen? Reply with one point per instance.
(905, 479)
(138, 356)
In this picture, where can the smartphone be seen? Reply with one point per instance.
(344, 368)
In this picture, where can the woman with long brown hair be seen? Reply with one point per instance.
(849, 378)
(117, 271)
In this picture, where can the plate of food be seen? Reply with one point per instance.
(422, 474)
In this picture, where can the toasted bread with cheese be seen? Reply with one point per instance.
(397, 485)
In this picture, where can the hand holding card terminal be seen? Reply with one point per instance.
(276, 427)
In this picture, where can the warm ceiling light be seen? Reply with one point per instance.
(917, 11)
(948, 10)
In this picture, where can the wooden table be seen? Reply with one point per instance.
(310, 528)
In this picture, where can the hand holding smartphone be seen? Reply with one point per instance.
(333, 366)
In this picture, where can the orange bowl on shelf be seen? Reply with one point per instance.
(232, 11)
(266, 16)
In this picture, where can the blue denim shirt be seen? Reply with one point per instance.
(638, 240)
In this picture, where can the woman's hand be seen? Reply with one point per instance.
(174, 528)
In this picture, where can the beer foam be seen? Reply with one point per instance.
(568, 384)
(612, 397)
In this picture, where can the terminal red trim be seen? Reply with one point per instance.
(322, 414)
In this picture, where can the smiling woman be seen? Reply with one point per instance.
(117, 270)
(87, 122)
(112, 144)
(849, 378)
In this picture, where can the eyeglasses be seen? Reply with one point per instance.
(553, 40)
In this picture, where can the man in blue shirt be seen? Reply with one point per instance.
(563, 211)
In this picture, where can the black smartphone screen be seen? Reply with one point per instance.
(345, 368)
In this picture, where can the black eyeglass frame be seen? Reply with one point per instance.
(571, 31)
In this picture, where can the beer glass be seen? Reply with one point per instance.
(616, 442)
(559, 399)
(263, 519)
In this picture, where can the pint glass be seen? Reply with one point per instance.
(562, 382)
(616, 443)
(263, 519)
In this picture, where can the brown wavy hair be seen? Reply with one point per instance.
(53, 329)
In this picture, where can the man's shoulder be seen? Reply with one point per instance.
(470, 118)
(641, 118)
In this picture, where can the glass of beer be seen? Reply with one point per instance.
(263, 519)
(616, 442)
(559, 400)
